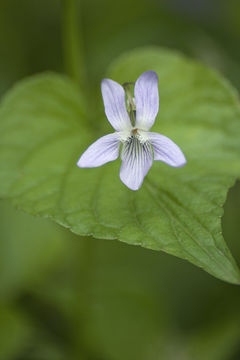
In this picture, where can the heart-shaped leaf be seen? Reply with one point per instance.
(45, 125)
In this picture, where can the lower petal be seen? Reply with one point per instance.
(100, 152)
(136, 162)
(166, 150)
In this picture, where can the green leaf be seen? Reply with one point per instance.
(46, 123)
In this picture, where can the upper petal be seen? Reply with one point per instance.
(146, 99)
(114, 102)
(166, 150)
(100, 152)
(136, 162)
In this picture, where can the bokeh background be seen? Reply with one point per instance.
(64, 297)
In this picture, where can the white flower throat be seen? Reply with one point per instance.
(133, 133)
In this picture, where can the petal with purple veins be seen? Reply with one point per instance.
(115, 107)
(136, 162)
(166, 150)
(100, 152)
(146, 99)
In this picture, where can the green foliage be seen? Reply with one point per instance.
(46, 123)
(29, 250)
(14, 331)
(108, 300)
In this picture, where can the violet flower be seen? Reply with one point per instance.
(139, 146)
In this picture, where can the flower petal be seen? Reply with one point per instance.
(100, 152)
(166, 150)
(146, 99)
(115, 107)
(136, 162)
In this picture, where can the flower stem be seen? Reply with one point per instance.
(72, 41)
(130, 101)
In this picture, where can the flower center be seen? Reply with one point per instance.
(134, 133)
(140, 135)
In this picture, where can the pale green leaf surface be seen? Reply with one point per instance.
(46, 125)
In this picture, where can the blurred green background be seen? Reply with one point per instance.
(66, 297)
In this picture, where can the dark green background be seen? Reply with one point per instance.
(66, 297)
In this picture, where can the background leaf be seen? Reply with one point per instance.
(14, 330)
(46, 124)
(29, 250)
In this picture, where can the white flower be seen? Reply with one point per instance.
(139, 146)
